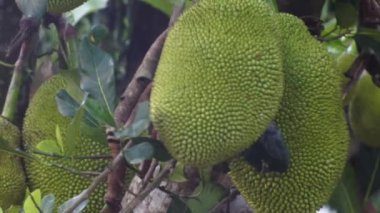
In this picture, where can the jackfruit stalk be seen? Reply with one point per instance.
(12, 177)
(312, 122)
(219, 81)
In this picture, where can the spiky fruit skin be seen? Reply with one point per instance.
(312, 123)
(40, 123)
(12, 178)
(219, 81)
(61, 6)
(364, 112)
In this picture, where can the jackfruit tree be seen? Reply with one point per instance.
(189, 106)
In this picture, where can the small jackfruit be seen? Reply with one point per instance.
(312, 123)
(61, 6)
(364, 111)
(40, 123)
(12, 177)
(219, 81)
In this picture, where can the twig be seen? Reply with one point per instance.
(54, 155)
(154, 184)
(5, 64)
(149, 173)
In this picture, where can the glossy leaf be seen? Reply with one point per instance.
(140, 123)
(139, 153)
(48, 203)
(345, 197)
(97, 76)
(35, 8)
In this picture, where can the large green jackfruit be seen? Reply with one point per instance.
(313, 126)
(364, 111)
(41, 120)
(12, 178)
(61, 6)
(219, 81)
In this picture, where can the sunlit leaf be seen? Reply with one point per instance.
(90, 6)
(49, 146)
(31, 201)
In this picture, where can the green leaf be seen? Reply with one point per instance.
(90, 6)
(13, 209)
(30, 203)
(140, 122)
(368, 40)
(177, 205)
(70, 202)
(208, 198)
(69, 107)
(139, 153)
(35, 8)
(73, 132)
(346, 14)
(49, 146)
(178, 175)
(345, 197)
(58, 136)
(97, 76)
(159, 151)
(48, 203)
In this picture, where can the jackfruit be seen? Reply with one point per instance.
(12, 177)
(364, 111)
(312, 123)
(61, 6)
(219, 81)
(40, 122)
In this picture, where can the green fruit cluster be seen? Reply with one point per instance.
(12, 179)
(40, 123)
(228, 68)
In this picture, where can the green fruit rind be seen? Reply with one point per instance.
(40, 123)
(61, 6)
(314, 128)
(12, 178)
(364, 111)
(219, 81)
